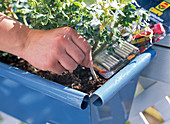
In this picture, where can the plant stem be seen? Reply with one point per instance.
(103, 46)
(25, 20)
(120, 17)
(96, 43)
(95, 52)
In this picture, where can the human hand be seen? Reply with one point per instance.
(56, 50)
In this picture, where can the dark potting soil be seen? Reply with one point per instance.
(80, 79)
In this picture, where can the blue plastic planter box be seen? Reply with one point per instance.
(35, 100)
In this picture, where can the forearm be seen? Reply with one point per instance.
(53, 50)
(13, 35)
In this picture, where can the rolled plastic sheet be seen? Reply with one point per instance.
(65, 94)
(118, 81)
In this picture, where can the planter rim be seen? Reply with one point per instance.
(119, 80)
(74, 97)
(57, 91)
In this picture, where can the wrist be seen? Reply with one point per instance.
(21, 41)
(32, 36)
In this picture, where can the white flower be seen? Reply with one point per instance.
(107, 5)
(99, 1)
(130, 38)
(95, 23)
(116, 16)
(114, 4)
(120, 11)
(99, 12)
(140, 12)
(128, 29)
(126, 34)
(134, 1)
(135, 26)
(145, 24)
(129, 32)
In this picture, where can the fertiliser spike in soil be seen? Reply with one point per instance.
(93, 73)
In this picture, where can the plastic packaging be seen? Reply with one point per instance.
(108, 63)
(143, 41)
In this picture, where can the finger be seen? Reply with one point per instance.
(88, 60)
(74, 51)
(84, 46)
(76, 38)
(79, 42)
(57, 68)
(67, 62)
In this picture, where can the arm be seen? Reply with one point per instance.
(11, 35)
(53, 50)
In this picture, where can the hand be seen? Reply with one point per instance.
(56, 50)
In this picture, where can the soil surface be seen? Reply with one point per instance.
(80, 79)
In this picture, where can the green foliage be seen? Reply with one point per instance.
(5, 7)
(88, 2)
(103, 23)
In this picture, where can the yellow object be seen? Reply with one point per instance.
(139, 89)
(155, 11)
(143, 39)
(163, 6)
(127, 122)
(154, 113)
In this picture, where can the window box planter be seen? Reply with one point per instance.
(35, 100)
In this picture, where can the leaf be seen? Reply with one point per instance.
(25, 11)
(77, 4)
(44, 20)
(124, 1)
(96, 21)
